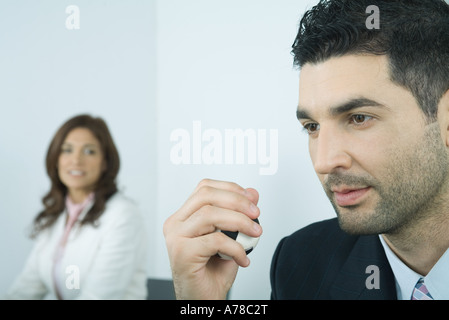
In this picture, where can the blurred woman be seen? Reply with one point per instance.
(90, 239)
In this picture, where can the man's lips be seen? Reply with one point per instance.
(349, 196)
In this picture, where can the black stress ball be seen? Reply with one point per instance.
(248, 243)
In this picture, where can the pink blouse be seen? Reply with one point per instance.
(73, 210)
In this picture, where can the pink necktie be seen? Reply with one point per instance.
(420, 292)
(74, 210)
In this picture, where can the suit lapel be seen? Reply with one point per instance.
(351, 281)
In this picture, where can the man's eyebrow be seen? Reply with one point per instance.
(354, 104)
(302, 113)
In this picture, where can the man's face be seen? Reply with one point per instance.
(380, 163)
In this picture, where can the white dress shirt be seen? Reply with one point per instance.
(436, 281)
(103, 262)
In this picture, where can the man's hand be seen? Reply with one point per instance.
(193, 243)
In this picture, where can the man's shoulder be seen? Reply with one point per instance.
(318, 228)
(311, 257)
(318, 242)
(321, 261)
(315, 233)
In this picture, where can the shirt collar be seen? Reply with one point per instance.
(406, 278)
(75, 209)
(436, 281)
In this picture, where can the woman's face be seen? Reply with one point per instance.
(81, 162)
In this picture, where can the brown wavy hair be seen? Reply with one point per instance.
(54, 200)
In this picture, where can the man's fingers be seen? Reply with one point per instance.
(210, 218)
(205, 247)
(225, 185)
(214, 243)
(241, 201)
(252, 195)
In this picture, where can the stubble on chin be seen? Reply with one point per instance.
(406, 191)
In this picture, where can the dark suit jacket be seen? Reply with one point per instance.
(323, 262)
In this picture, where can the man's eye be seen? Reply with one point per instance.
(360, 118)
(311, 128)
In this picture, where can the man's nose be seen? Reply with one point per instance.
(329, 151)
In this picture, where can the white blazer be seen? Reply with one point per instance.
(103, 262)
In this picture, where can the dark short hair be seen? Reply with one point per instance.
(54, 200)
(413, 34)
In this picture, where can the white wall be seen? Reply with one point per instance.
(150, 68)
(48, 74)
(228, 65)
